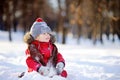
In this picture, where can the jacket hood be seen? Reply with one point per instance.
(28, 39)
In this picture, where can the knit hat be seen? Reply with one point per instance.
(39, 27)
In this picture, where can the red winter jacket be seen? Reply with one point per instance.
(45, 49)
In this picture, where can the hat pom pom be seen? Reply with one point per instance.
(39, 20)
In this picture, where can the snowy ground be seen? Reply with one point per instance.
(83, 62)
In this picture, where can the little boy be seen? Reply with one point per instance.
(42, 53)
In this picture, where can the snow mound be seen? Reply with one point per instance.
(35, 76)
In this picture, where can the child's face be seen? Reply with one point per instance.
(45, 37)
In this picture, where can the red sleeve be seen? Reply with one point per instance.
(32, 64)
(60, 58)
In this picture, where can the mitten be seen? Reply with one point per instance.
(59, 67)
(43, 70)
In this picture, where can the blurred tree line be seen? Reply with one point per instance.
(83, 18)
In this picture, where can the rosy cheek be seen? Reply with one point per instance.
(47, 38)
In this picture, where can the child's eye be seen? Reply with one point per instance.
(45, 33)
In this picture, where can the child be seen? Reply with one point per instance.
(42, 53)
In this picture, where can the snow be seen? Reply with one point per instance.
(84, 61)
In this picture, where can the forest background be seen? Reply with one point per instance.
(89, 19)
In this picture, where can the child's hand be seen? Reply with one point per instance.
(59, 67)
(44, 70)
